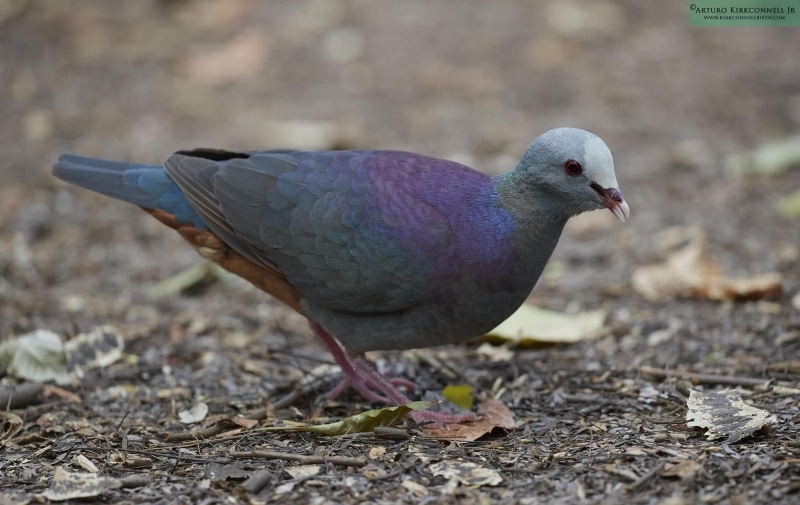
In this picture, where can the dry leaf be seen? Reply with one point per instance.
(197, 413)
(531, 325)
(690, 272)
(286, 487)
(243, 422)
(495, 353)
(682, 469)
(492, 414)
(414, 488)
(466, 473)
(42, 355)
(68, 486)
(97, 348)
(377, 452)
(360, 423)
(37, 356)
(10, 425)
(14, 498)
(725, 414)
(303, 471)
(771, 158)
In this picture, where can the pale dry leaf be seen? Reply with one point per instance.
(10, 425)
(768, 159)
(690, 272)
(97, 348)
(495, 353)
(377, 452)
(725, 414)
(37, 356)
(197, 413)
(531, 325)
(782, 390)
(466, 473)
(69, 486)
(682, 469)
(286, 487)
(11, 497)
(303, 471)
(414, 488)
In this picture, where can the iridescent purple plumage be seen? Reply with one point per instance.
(381, 249)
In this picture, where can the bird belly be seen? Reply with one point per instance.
(424, 325)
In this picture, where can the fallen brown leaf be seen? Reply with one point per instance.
(492, 414)
(690, 272)
(682, 469)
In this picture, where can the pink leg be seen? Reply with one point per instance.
(358, 374)
(373, 386)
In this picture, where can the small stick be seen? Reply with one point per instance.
(702, 378)
(19, 396)
(257, 481)
(646, 477)
(300, 458)
(201, 434)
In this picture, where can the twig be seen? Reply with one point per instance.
(185, 436)
(646, 477)
(300, 458)
(157, 454)
(702, 378)
(135, 480)
(257, 481)
(20, 396)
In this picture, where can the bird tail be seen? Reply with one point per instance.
(143, 185)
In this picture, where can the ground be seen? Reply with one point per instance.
(472, 81)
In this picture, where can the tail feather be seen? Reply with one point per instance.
(147, 186)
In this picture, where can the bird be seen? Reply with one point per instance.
(378, 249)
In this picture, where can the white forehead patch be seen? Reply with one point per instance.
(599, 166)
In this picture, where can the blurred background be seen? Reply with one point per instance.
(471, 80)
(681, 108)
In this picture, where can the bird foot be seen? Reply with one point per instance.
(361, 376)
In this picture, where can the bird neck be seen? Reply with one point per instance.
(538, 213)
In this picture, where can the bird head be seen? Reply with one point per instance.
(574, 169)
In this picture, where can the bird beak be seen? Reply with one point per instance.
(613, 200)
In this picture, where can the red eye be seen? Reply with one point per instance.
(573, 168)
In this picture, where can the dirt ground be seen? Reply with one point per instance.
(470, 80)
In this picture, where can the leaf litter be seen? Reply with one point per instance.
(725, 414)
(689, 271)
